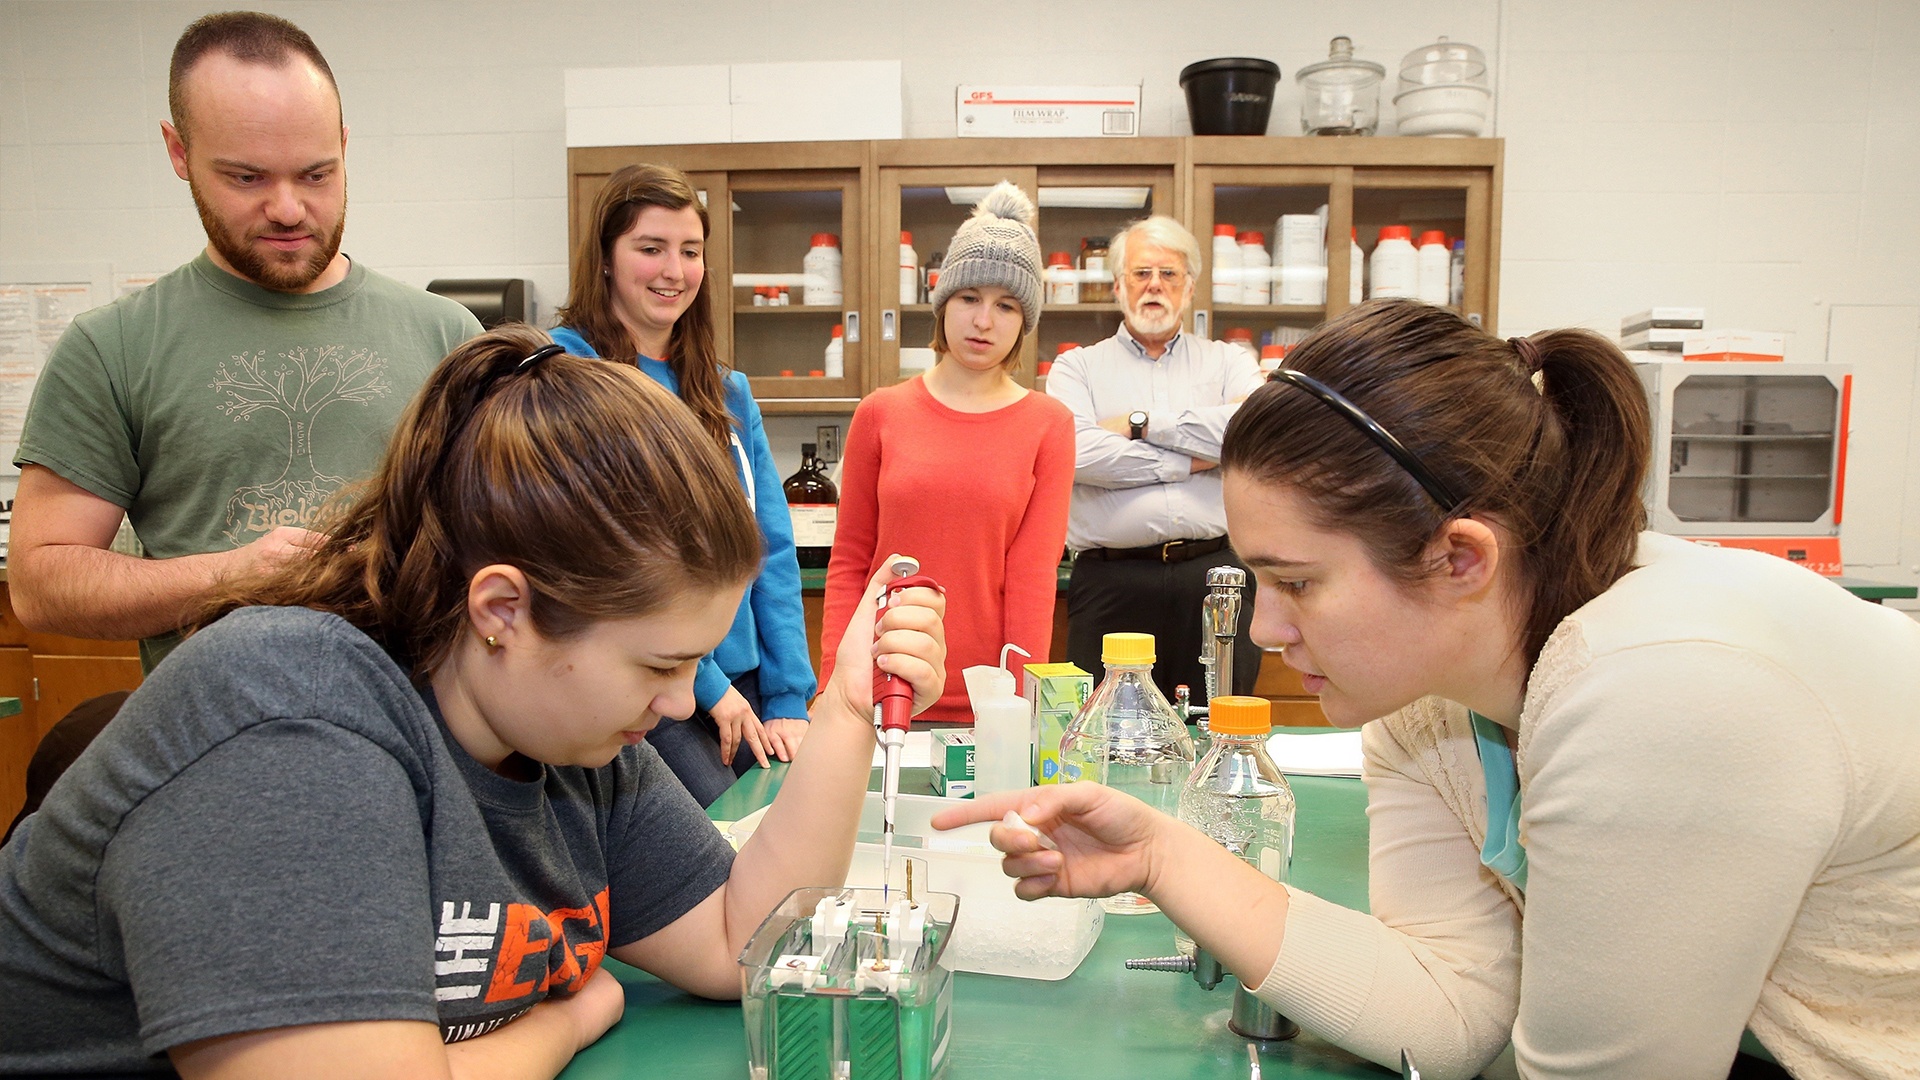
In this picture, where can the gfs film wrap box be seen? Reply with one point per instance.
(952, 762)
(1055, 693)
(1048, 112)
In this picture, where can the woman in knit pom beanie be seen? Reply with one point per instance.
(962, 467)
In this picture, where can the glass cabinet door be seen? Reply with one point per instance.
(1081, 208)
(921, 208)
(1753, 448)
(1263, 233)
(1453, 207)
(795, 257)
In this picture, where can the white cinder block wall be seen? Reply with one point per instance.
(1757, 158)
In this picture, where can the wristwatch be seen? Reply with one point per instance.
(1137, 423)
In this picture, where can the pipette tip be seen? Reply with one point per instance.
(1013, 820)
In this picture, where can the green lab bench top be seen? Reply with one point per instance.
(816, 580)
(1101, 1022)
(1876, 591)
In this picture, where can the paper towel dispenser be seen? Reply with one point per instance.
(492, 300)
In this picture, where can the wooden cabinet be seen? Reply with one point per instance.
(1085, 190)
(50, 674)
(1365, 184)
(777, 196)
(766, 203)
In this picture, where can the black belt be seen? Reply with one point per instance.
(1172, 551)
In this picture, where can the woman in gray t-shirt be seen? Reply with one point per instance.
(390, 807)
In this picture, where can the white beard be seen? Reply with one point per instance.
(1152, 326)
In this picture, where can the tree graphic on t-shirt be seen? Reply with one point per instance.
(297, 386)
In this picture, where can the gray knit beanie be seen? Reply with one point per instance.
(996, 246)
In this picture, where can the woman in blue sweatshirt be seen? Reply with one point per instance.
(640, 296)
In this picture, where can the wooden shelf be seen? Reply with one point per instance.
(1822, 477)
(874, 189)
(1794, 436)
(1310, 311)
(796, 406)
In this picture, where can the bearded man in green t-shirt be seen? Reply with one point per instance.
(220, 407)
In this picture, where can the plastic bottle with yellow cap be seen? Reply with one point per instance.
(1128, 737)
(1237, 795)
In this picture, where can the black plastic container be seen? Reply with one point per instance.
(1232, 95)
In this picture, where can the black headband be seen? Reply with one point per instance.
(538, 355)
(1380, 436)
(485, 388)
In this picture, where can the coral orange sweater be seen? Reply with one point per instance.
(979, 498)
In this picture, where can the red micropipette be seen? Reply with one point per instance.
(893, 710)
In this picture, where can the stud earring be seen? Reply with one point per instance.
(492, 642)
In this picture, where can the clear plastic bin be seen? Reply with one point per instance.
(1003, 934)
(847, 983)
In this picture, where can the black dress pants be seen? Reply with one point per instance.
(1146, 596)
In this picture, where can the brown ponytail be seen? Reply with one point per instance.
(691, 351)
(591, 478)
(1560, 465)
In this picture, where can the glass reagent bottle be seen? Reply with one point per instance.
(1128, 737)
(1236, 794)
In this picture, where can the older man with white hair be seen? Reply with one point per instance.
(1151, 404)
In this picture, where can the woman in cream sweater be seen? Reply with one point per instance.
(1638, 807)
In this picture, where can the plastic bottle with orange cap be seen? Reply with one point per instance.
(1237, 795)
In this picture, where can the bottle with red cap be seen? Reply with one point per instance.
(835, 360)
(1271, 357)
(1256, 269)
(1243, 338)
(823, 282)
(1065, 347)
(1432, 259)
(1063, 281)
(1394, 267)
(909, 270)
(1226, 265)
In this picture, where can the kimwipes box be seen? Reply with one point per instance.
(952, 762)
(1049, 111)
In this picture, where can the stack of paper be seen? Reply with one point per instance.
(1336, 753)
(916, 754)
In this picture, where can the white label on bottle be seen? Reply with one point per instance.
(1270, 864)
(813, 523)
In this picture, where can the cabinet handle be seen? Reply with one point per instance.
(1473, 317)
(1200, 320)
(887, 317)
(852, 326)
(36, 688)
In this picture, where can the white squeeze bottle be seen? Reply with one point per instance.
(1394, 268)
(835, 364)
(1434, 262)
(1256, 268)
(1236, 795)
(1002, 728)
(1226, 265)
(909, 271)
